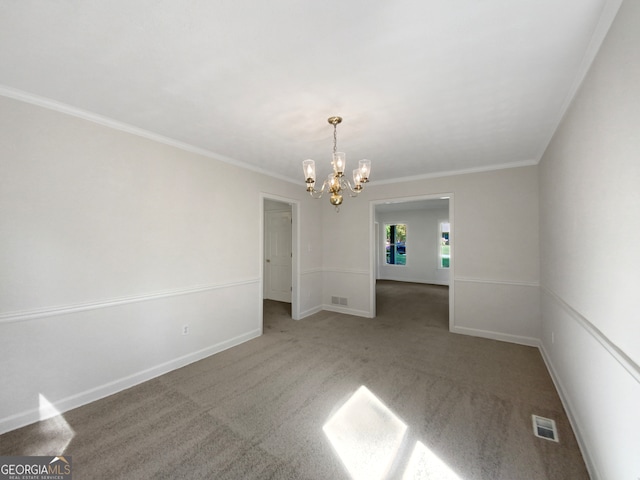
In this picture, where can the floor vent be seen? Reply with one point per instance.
(544, 428)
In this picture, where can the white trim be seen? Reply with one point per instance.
(83, 398)
(26, 315)
(346, 311)
(569, 409)
(312, 271)
(496, 282)
(451, 173)
(311, 311)
(346, 271)
(625, 361)
(131, 129)
(452, 264)
(374, 254)
(503, 337)
(605, 20)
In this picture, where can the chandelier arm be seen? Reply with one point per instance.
(318, 193)
(353, 192)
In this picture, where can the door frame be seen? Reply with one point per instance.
(373, 247)
(295, 249)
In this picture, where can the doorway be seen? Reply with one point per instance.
(277, 251)
(420, 304)
(279, 246)
(421, 255)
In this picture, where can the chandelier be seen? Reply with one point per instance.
(336, 183)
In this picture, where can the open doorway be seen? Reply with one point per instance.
(279, 255)
(420, 304)
(277, 251)
(412, 257)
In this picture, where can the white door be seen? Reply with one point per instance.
(277, 254)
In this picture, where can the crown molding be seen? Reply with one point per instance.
(450, 173)
(607, 16)
(60, 107)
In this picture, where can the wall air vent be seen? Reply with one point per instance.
(544, 428)
(339, 301)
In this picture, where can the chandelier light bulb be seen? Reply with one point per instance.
(357, 179)
(365, 170)
(309, 167)
(339, 163)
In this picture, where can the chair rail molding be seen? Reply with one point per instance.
(26, 315)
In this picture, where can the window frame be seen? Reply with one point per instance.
(395, 244)
(440, 245)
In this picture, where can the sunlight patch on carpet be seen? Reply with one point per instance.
(370, 440)
(54, 432)
(366, 435)
(426, 465)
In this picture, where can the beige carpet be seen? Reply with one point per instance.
(256, 411)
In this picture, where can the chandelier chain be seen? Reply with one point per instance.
(335, 138)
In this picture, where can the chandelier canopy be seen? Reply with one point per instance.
(336, 183)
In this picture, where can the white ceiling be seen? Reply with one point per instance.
(425, 87)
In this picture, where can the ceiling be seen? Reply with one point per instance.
(425, 87)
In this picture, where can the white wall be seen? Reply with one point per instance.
(110, 243)
(590, 246)
(495, 250)
(423, 242)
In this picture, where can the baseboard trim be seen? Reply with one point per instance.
(569, 408)
(346, 311)
(414, 280)
(503, 337)
(81, 307)
(83, 398)
(336, 309)
(311, 311)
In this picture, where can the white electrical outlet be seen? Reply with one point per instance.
(553, 337)
(185, 329)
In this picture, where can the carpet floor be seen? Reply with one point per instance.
(257, 411)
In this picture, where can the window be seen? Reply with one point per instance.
(443, 246)
(396, 242)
